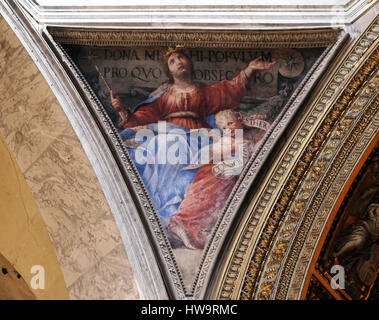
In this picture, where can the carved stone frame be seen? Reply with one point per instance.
(332, 39)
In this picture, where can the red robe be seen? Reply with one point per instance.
(199, 211)
(204, 100)
(206, 196)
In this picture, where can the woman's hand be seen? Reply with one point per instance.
(258, 65)
(116, 102)
(118, 106)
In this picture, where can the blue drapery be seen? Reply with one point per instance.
(166, 183)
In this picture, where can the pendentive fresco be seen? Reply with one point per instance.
(190, 119)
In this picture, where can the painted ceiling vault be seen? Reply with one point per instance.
(233, 160)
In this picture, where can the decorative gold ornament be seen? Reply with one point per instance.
(249, 287)
(196, 39)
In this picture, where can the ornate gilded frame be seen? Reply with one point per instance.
(331, 39)
(273, 251)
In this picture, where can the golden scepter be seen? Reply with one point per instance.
(105, 81)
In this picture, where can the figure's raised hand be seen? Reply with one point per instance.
(258, 65)
(116, 102)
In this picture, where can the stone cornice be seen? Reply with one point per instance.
(237, 15)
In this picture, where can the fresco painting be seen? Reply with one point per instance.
(353, 240)
(190, 119)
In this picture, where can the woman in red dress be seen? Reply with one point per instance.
(186, 103)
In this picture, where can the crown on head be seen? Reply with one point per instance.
(171, 50)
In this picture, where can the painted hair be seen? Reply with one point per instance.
(221, 117)
(168, 54)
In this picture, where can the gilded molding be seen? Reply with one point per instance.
(197, 39)
(297, 191)
(295, 285)
(364, 108)
(246, 288)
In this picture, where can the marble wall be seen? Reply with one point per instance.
(80, 224)
(25, 243)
